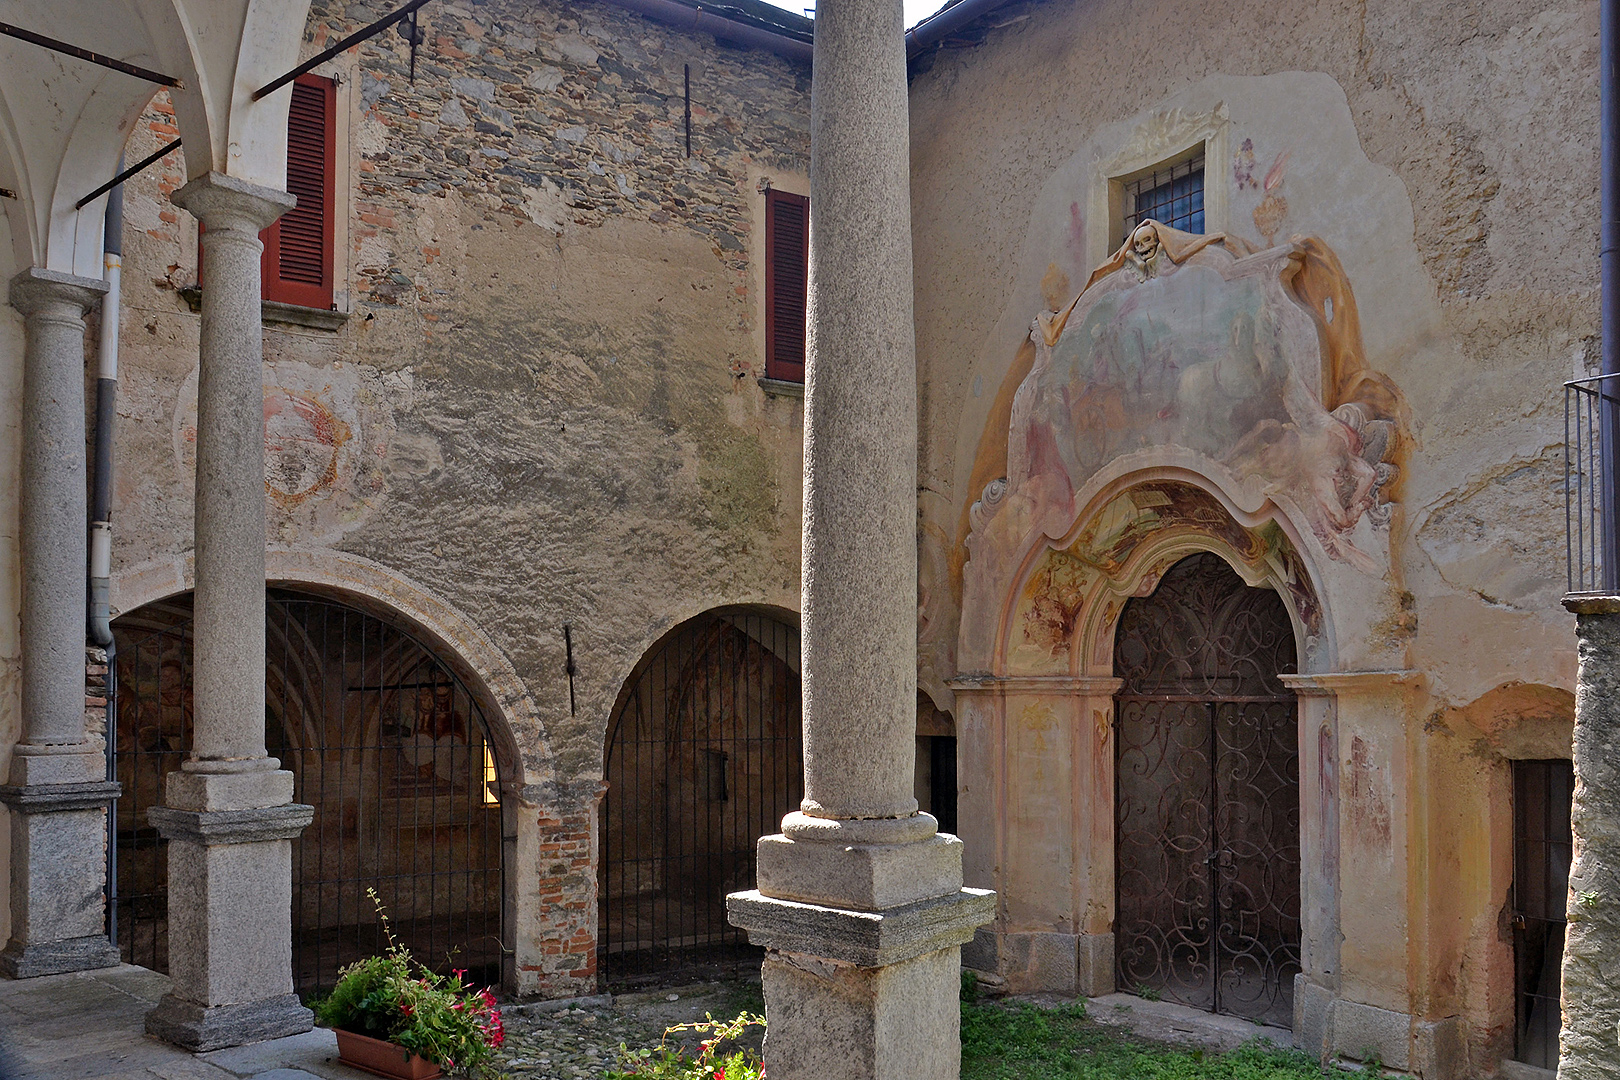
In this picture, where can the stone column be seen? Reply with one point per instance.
(1589, 1047)
(58, 790)
(229, 816)
(860, 901)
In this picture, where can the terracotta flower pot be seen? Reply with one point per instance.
(383, 1058)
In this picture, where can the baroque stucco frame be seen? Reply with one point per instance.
(1169, 135)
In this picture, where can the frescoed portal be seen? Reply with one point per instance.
(1207, 796)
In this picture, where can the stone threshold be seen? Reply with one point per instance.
(1165, 1021)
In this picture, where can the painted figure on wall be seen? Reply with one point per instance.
(1200, 342)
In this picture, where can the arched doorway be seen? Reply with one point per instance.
(704, 755)
(383, 739)
(1207, 795)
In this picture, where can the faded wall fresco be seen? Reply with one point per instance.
(1209, 352)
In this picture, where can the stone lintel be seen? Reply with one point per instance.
(232, 826)
(868, 939)
(51, 798)
(28, 961)
(1592, 604)
(200, 1028)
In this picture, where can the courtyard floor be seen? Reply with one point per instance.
(89, 1026)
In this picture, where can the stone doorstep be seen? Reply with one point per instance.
(862, 938)
(1172, 1023)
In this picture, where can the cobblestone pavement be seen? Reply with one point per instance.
(546, 1042)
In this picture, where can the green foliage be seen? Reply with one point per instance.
(970, 987)
(395, 998)
(1022, 1042)
(1146, 992)
(668, 1061)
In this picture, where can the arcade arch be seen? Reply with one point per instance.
(404, 760)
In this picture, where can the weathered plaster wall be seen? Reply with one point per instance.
(542, 408)
(1433, 152)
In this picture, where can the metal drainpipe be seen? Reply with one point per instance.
(1609, 140)
(112, 260)
(99, 621)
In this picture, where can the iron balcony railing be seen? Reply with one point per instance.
(1591, 441)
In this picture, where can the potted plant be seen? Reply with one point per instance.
(394, 1017)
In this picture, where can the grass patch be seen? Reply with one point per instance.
(1021, 1042)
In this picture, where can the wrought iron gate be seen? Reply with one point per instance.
(382, 739)
(1207, 866)
(704, 755)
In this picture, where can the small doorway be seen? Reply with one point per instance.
(704, 756)
(1543, 845)
(1207, 863)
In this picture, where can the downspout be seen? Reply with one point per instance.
(1609, 141)
(99, 621)
(112, 261)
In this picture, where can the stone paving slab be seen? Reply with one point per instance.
(91, 1026)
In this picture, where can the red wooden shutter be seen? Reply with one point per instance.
(787, 279)
(298, 249)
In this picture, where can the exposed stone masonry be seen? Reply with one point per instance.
(570, 118)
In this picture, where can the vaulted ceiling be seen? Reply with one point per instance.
(64, 121)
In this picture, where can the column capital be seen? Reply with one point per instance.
(223, 202)
(37, 289)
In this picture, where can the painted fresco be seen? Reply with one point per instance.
(1098, 562)
(1199, 343)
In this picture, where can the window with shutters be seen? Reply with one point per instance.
(298, 249)
(787, 278)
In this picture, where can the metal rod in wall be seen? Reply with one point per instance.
(391, 19)
(127, 173)
(91, 57)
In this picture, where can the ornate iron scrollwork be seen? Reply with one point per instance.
(1207, 795)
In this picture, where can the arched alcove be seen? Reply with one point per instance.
(704, 755)
(398, 754)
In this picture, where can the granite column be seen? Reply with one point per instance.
(58, 790)
(860, 900)
(1589, 1047)
(229, 816)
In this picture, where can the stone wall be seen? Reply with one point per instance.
(542, 407)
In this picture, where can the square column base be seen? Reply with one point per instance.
(199, 1027)
(836, 1021)
(230, 926)
(27, 961)
(58, 876)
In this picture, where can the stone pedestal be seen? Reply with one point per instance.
(1590, 1042)
(230, 924)
(228, 813)
(58, 790)
(58, 871)
(865, 944)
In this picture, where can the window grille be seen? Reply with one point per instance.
(1172, 195)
